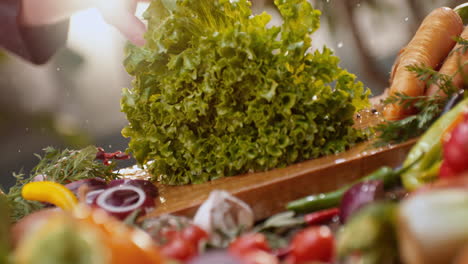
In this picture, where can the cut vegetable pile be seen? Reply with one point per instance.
(217, 93)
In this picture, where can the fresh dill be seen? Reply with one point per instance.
(61, 167)
(428, 108)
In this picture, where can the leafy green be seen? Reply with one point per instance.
(217, 92)
(58, 166)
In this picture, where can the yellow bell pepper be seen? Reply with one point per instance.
(50, 192)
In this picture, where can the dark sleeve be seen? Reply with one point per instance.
(36, 44)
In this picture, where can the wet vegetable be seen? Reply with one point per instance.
(310, 203)
(370, 235)
(313, 244)
(218, 93)
(360, 195)
(426, 154)
(455, 150)
(50, 192)
(120, 201)
(322, 216)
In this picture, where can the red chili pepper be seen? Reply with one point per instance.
(322, 216)
(105, 156)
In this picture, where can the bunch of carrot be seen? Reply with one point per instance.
(434, 46)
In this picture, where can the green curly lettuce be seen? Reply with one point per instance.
(217, 92)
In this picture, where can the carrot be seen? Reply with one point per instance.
(430, 45)
(451, 67)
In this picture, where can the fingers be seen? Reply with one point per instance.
(121, 14)
(132, 28)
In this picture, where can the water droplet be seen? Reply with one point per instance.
(19, 150)
(328, 1)
(58, 68)
(314, 98)
(110, 146)
(406, 19)
(358, 5)
(340, 44)
(27, 129)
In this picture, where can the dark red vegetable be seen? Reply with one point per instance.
(360, 195)
(106, 157)
(120, 201)
(179, 249)
(455, 150)
(148, 187)
(93, 184)
(312, 244)
(321, 216)
(194, 234)
(249, 242)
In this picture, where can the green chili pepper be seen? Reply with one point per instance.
(429, 151)
(462, 10)
(332, 199)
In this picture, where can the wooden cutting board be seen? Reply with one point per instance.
(269, 192)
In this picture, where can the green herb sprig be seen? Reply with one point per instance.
(428, 108)
(61, 167)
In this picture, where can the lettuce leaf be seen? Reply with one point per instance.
(217, 92)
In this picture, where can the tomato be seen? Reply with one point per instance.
(179, 249)
(194, 234)
(249, 242)
(456, 148)
(446, 171)
(315, 243)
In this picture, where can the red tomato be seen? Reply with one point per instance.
(249, 242)
(445, 171)
(179, 249)
(315, 243)
(169, 234)
(194, 234)
(456, 148)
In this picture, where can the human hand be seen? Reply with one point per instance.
(121, 15)
(118, 13)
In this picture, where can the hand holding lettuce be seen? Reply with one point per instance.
(218, 93)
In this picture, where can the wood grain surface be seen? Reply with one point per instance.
(268, 192)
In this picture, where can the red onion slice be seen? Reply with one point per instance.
(92, 195)
(360, 195)
(122, 200)
(148, 187)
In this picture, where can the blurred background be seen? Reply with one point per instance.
(74, 99)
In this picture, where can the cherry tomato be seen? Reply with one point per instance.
(194, 234)
(179, 249)
(446, 171)
(249, 242)
(456, 148)
(315, 243)
(169, 234)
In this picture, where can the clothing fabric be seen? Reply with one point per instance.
(36, 44)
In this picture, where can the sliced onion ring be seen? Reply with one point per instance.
(121, 212)
(92, 195)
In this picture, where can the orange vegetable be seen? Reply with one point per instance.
(451, 66)
(430, 46)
